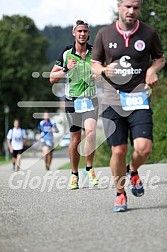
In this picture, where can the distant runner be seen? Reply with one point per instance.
(15, 140)
(47, 127)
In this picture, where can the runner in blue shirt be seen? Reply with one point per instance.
(47, 127)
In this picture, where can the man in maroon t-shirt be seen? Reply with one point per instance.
(128, 54)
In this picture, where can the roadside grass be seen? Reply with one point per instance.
(68, 166)
(3, 161)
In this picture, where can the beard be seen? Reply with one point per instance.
(128, 23)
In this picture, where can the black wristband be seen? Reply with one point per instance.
(65, 69)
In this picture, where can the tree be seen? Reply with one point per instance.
(22, 51)
(154, 13)
(59, 37)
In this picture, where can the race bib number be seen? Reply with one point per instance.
(132, 101)
(82, 105)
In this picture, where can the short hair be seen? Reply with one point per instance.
(120, 1)
(16, 119)
(80, 22)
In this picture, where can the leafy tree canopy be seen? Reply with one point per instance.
(22, 51)
(154, 13)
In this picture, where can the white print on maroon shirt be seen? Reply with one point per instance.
(139, 45)
(124, 71)
(113, 45)
(124, 61)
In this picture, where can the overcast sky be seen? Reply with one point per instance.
(60, 12)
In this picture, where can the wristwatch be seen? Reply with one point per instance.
(65, 69)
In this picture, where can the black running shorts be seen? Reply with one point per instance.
(16, 152)
(135, 124)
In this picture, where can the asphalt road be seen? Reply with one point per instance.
(38, 213)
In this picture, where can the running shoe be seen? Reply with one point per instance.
(47, 167)
(73, 182)
(92, 177)
(136, 185)
(120, 204)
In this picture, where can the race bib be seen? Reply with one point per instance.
(82, 105)
(18, 139)
(49, 143)
(132, 101)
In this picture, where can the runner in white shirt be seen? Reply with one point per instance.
(15, 140)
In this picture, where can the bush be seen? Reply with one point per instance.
(102, 155)
(159, 106)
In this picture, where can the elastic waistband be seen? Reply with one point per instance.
(74, 98)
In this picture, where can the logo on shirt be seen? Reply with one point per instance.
(124, 71)
(126, 67)
(139, 45)
(113, 45)
(124, 61)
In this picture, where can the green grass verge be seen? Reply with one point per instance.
(68, 166)
(3, 161)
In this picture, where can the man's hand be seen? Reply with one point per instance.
(151, 75)
(97, 77)
(71, 63)
(151, 78)
(110, 70)
(11, 149)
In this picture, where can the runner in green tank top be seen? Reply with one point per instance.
(73, 64)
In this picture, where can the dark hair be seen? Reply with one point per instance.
(80, 22)
(16, 119)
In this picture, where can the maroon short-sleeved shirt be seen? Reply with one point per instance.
(132, 52)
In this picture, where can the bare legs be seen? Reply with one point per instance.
(141, 152)
(118, 166)
(16, 161)
(89, 146)
(73, 150)
(47, 153)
